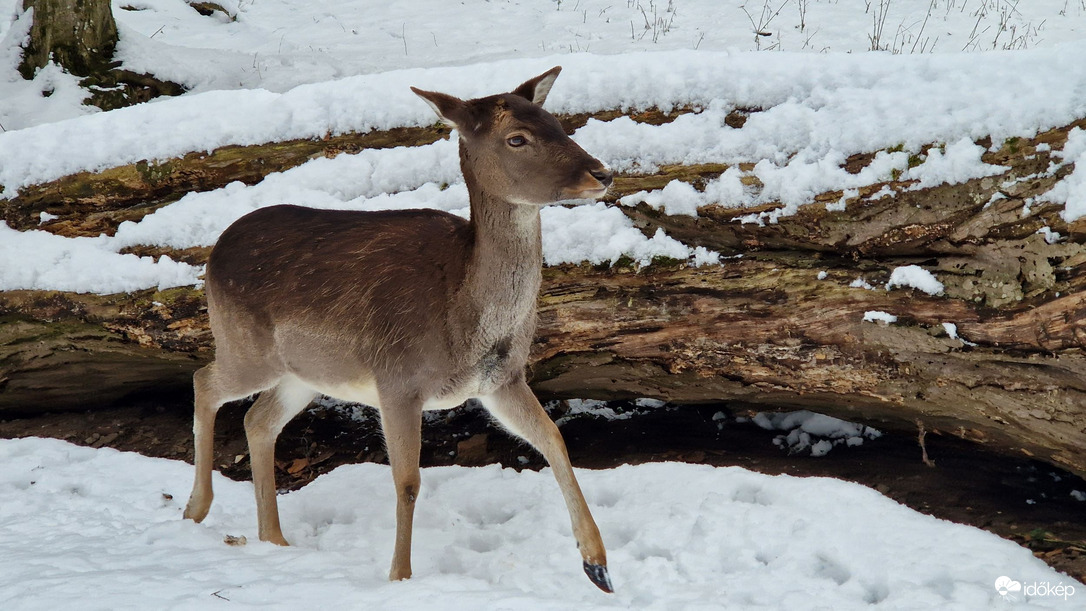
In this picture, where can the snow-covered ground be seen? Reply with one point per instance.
(99, 529)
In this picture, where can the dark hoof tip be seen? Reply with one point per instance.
(599, 576)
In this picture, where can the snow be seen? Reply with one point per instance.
(809, 100)
(878, 316)
(598, 233)
(77, 520)
(817, 432)
(861, 283)
(915, 277)
(951, 330)
(41, 260)
(959, 163)
(1050, 236)
(574, 409)
(1071, 191)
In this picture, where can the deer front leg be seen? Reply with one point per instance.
(401, 422)
(516, 407)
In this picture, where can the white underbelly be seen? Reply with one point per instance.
(446, 402)
(355, 392)
(366, 393)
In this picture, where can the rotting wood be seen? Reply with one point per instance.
(761, 332)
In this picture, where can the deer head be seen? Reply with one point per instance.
(513, 150)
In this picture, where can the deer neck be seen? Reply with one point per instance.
(504, 268)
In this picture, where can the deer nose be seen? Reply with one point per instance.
(604, 176)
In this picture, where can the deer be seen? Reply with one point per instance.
(403, 310)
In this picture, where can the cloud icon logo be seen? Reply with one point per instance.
(1005, 586)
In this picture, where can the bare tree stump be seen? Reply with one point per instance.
(80, 35)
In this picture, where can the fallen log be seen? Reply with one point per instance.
(751, 331)
(91, 203)
(779, 324)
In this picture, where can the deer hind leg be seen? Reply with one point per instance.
(263, 423)
(516, 407)
(401, 421)
(212, 388)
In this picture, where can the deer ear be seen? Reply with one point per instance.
(452, 111)
(535, 90)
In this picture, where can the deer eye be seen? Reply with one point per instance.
(515, 141)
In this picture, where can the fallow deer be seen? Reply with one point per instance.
(406, 310)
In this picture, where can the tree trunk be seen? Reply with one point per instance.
(80, 35)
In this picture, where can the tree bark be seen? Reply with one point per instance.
(80, 35)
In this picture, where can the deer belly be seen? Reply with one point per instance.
(364, 392)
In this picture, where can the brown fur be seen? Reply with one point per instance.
(403, 310)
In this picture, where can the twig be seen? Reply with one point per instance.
(767, 15)
(923, 447)
(931, 7)
(403, 35)
(878, 21)
(701, 37)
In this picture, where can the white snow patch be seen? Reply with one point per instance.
(573, 409)
(1071, 190)
(40, 260)
(861, 283)
(951, 330)
(1050, 236)
(885, 191)
(960, 162)
(677, 198)
(915, 277)
(598, 233)
(703, 256)
(591, 407)
(842, 203)
(817, 432)
(879, 316)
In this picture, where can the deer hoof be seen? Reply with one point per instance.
(195, 512)
(599, 576)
